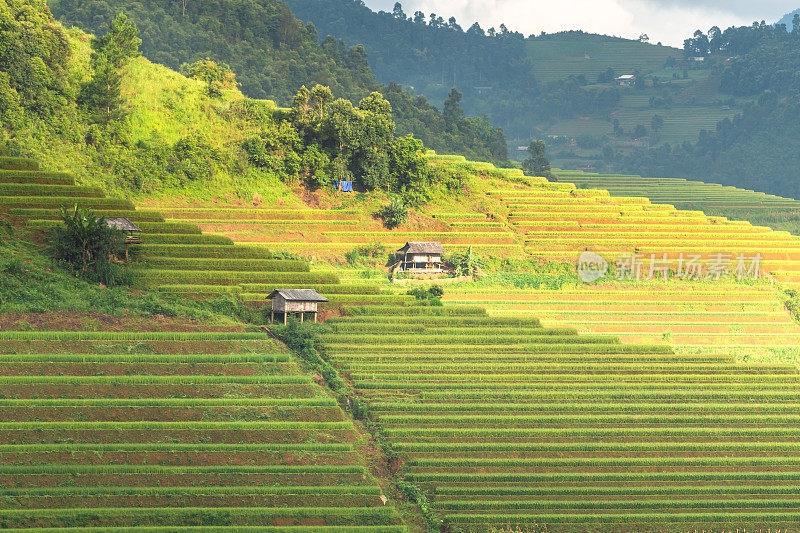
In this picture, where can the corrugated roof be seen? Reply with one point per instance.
(298, 295)
(122, 224)
(422, 248)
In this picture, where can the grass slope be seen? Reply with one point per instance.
(162, 108)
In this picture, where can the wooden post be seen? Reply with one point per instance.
(302, 314)
(284, 317)
(271, 316)
(315, 317)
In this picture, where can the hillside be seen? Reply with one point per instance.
(788, 19)
(669, 367)
(548, 86)
(691, 112)
(273, 55)
(597, 360)
(654, 405)
(136, 128)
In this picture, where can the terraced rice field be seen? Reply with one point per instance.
(559, 222)
(505, 422)
(175, 429)
(552, 222)
(175, 256)
(499, 419)
(554, 58)
(324, 234)
(146, 431)
(725, 315)
(711, 198)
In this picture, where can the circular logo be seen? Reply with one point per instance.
(591, 267)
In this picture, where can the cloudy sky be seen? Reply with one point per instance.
(668, 21)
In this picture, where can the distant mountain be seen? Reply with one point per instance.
(787, 19)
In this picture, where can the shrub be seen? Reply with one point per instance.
(432, 295)
(88, 245)
(463, 263)
(301, 339)
(368, 251)
(393, 214)
(217, 76)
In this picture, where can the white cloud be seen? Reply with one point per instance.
(669, 21)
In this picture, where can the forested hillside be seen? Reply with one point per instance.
(100, 110)
(723, 108)
(273, 55)
(758, 149)
(491, 67)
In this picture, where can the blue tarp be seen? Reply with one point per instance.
(344, 186)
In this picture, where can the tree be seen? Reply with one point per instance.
(217, 76)
(409, 169)
(101, 96)
(639, 131)
(356, 59)
(308, 110)
(341, 130)
(714, 39)
(452, 112)
(120, 44)
(796, 24)
(10, 109)
(398, 12)
(393, 214)
(476, 29)
(657, 122)
(537, 163)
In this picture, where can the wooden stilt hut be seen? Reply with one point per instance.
(300, 301)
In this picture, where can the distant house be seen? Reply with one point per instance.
(626, 80)
(421, 257)
(300, 301)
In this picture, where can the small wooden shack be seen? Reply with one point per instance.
(421, 257)
(300, 301)
(133, 234)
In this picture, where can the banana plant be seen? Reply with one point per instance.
(84, 239)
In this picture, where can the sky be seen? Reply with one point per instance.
(666, 21)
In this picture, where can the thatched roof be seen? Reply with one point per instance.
(298, 295)
(422, 248)
(123, 224)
